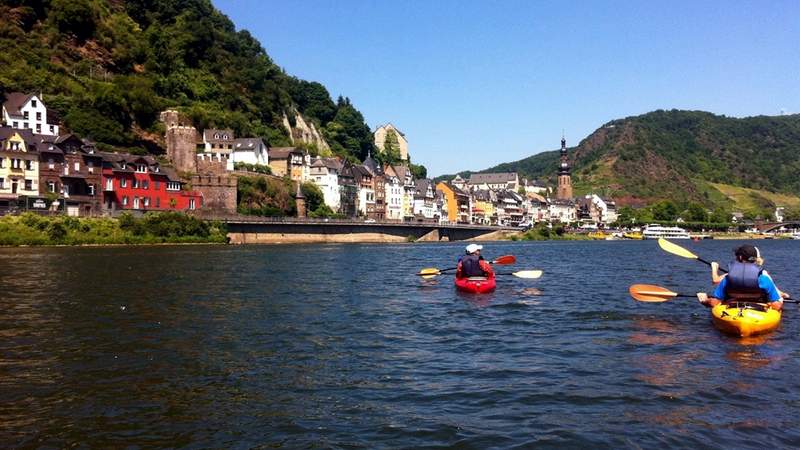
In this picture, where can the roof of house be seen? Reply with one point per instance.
(372, 165)
(492, 178)
(247, 143)
(15, 101)
(223, 135)
(282, 152)
(389, 124)
(26, 135)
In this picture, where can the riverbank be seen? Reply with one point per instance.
(154, 228)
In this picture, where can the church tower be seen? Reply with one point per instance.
(564, 189)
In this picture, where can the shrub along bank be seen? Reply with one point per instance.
(153, 228)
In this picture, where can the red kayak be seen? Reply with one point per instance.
(476, 285)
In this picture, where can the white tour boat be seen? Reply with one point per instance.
(655, 231)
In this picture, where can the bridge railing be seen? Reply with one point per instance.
(242, 219)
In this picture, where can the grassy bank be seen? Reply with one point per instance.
(543, 233)
(153, 228)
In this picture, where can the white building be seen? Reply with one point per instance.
(218, 143)
(494, 181)
(249, 151)
(393, 187)
(607, 208)
(561, 211)
(324, 172)
(28, 112)
(425, 200)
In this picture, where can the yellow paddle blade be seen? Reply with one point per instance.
(527, 274)
(650, 293)
(675, 249)
(429, 272)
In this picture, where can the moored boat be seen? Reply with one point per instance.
(655, 231)
(632, 235)
(745, 319)
(476, 285)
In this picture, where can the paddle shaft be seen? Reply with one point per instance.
(709, 264)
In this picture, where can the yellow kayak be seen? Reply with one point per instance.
(745, 319)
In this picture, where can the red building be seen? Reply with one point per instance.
(133, 182)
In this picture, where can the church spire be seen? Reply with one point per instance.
(564, 190)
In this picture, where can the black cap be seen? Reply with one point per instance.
(747, 252)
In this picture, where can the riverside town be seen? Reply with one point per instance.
(42, 170)
(250, 224)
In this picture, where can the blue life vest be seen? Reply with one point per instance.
(743, 282)
(471, 267)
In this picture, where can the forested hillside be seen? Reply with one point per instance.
(108, 67)
(680, 156)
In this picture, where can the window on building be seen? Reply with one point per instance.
(16, 124)
(141, 168)
(16, 163)
(25, 115)
(2, 183)
(125, 201)
(51, 164)
(135, 183)
(145, 184)
(51, 186)
(91, 190)
(25, 125)
(123, 182)
(146, 202)
(52, 129)
(28, 164)
(28, 185)
(109, 184)
(33, 104)
(191, 203)
(135, 202)
(173, 186)
(2, 162)
(77, 166)
(39, 128)
(38, 115)
(90, 166)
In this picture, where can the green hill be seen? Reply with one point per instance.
(683, 156)
(108, 67)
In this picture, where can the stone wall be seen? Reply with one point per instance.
(219, 193)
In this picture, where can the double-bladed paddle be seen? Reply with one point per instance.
(530, 274)
(676, 249)
(656, 294)
(433, 271)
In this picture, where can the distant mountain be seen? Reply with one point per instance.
(678, 155)
(108, 67)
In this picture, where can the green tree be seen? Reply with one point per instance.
(313, 195)
(695, 213)
(77, 17)
(665, 210)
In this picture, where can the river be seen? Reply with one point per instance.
(342, 346)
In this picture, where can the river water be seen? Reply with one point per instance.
(342, 346)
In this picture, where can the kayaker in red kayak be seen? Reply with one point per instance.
(746, 280)
(472, 264)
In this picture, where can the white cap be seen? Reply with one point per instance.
(472, 248)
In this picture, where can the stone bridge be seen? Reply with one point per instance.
(285, 230)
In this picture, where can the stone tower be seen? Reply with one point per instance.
(300, 201)
(564, 189)
(181, 142)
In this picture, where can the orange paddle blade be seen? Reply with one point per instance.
(506, 259)
(651, 293)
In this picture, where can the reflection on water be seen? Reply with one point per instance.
(344, 346)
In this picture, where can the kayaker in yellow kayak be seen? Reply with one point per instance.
(746, 281)
(472, 264)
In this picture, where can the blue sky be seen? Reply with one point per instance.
(476, 83)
